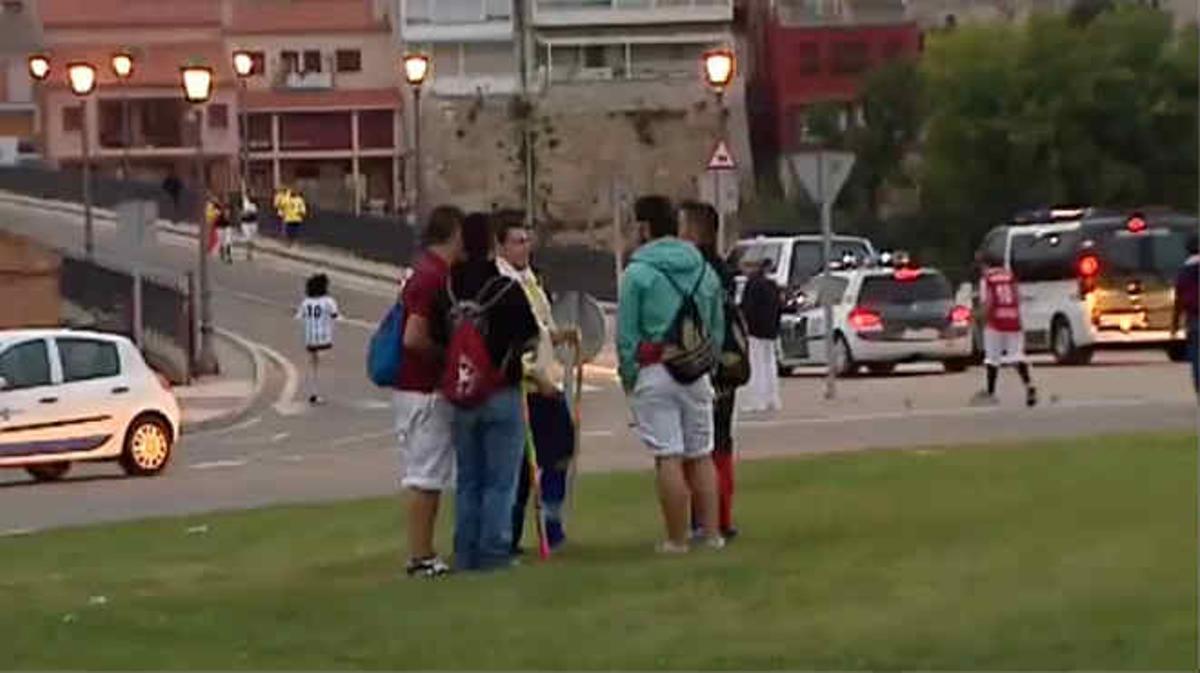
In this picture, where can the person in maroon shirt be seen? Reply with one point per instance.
(423, 417)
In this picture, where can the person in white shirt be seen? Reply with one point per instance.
(317, 312)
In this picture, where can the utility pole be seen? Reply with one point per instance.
(523, 14)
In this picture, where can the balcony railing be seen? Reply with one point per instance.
(840, 12)
(587, 12)
(457, 12)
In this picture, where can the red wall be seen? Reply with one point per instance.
(801, 65)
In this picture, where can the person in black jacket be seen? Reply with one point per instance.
(489, 439)
(700, 226)
(762, 307)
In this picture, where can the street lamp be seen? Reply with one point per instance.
(243, 67)
(82, 78)
(720, 67)
(122, 67)
(39, 67)
(416, 71)
(197, 82)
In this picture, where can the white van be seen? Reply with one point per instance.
(1094, 279)
(795, 259)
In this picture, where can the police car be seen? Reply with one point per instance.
(1091, 278)
(882, 316)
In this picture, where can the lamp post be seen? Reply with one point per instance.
(122, 67)
(39, 70)
(243, 67)
(416, 71)
(197, 84)
(720, 67)
(82, 78)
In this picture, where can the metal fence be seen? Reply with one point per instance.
(102, 296)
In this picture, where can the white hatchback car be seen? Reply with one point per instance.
(881, 317)
(68, 396)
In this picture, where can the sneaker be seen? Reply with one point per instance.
(427, 567)
(715, 543)
(1031, 397)
(316, 400)
(668, 548)
(983, 399)
(556, 537)
(729, 534)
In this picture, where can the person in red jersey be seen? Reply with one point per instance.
(1003, 338)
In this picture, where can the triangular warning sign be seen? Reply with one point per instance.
(722, 158)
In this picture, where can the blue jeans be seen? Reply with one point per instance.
(489, 443)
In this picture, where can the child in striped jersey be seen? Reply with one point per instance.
(318, 312)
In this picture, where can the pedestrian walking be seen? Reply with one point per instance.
(490, 330)
(700, 226)
(212, 219)
(225, 232)
(318, 312)
(423, 416)
(1003, 335)
(550, 420)
(292, 210)
(763, 310)
(670, 323)
(1187, 306)
(173, 187)
(248, 218)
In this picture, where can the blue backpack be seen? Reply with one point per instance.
(385, 355)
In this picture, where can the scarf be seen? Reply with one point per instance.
(539, 303)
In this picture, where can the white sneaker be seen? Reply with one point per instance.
(669, 548)
(715, 543)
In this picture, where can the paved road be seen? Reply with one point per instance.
(287, 452)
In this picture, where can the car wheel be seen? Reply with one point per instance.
(843, 360)
(881, 368)
(48, 471)
(1178, 352)
(957, 366)
(147, 446)
(1062, 343)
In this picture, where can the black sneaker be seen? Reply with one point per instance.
(1031, 397)
(729, 534)
(427, 568)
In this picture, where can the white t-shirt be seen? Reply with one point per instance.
(318, 315)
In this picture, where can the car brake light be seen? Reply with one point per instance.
(905, 275)
(865, 320)
(960, 316)
(1136, 224)
(1089, 266)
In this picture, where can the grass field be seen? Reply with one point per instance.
(1078, 554)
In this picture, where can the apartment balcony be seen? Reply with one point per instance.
(577, 13)
(458, 20)
(475, 85)
(809, 13)
(306, 81)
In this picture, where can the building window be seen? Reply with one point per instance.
(808, 59)
(218, 116)
(259, 61)
(850, 58)
(312, 61)
(595, 56)
(14, 6)
(72, 118)
(349, 60)
(290, 61)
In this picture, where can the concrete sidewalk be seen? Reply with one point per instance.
(212, 402)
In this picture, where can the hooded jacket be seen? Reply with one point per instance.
(649, 303)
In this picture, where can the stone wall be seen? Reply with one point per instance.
(28, 284)
(647, 136)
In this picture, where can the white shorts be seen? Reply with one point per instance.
(423, 427)
(1003, 348)
(674, 420)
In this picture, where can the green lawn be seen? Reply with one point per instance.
(1078, 554)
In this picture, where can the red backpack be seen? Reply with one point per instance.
(471, 377)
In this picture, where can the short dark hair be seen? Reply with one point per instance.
(477, 236)
(505, 221)
(444, 222)
(656, 211)
(317, 286)
(1193, 244)
(705, 218)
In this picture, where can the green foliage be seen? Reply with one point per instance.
(1056, 111)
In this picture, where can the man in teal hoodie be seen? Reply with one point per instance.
(673, 419)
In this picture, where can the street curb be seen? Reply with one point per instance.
(239, 413)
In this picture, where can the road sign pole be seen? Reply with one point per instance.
(826, 203)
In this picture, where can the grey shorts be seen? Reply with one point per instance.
(423, 428)
(674, 420)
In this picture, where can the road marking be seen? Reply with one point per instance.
(285, 404)
(217, 464)
(598, 433)
(292, 458)
(279, 437)
(358, 439)
(244, 425)
(17, 532)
